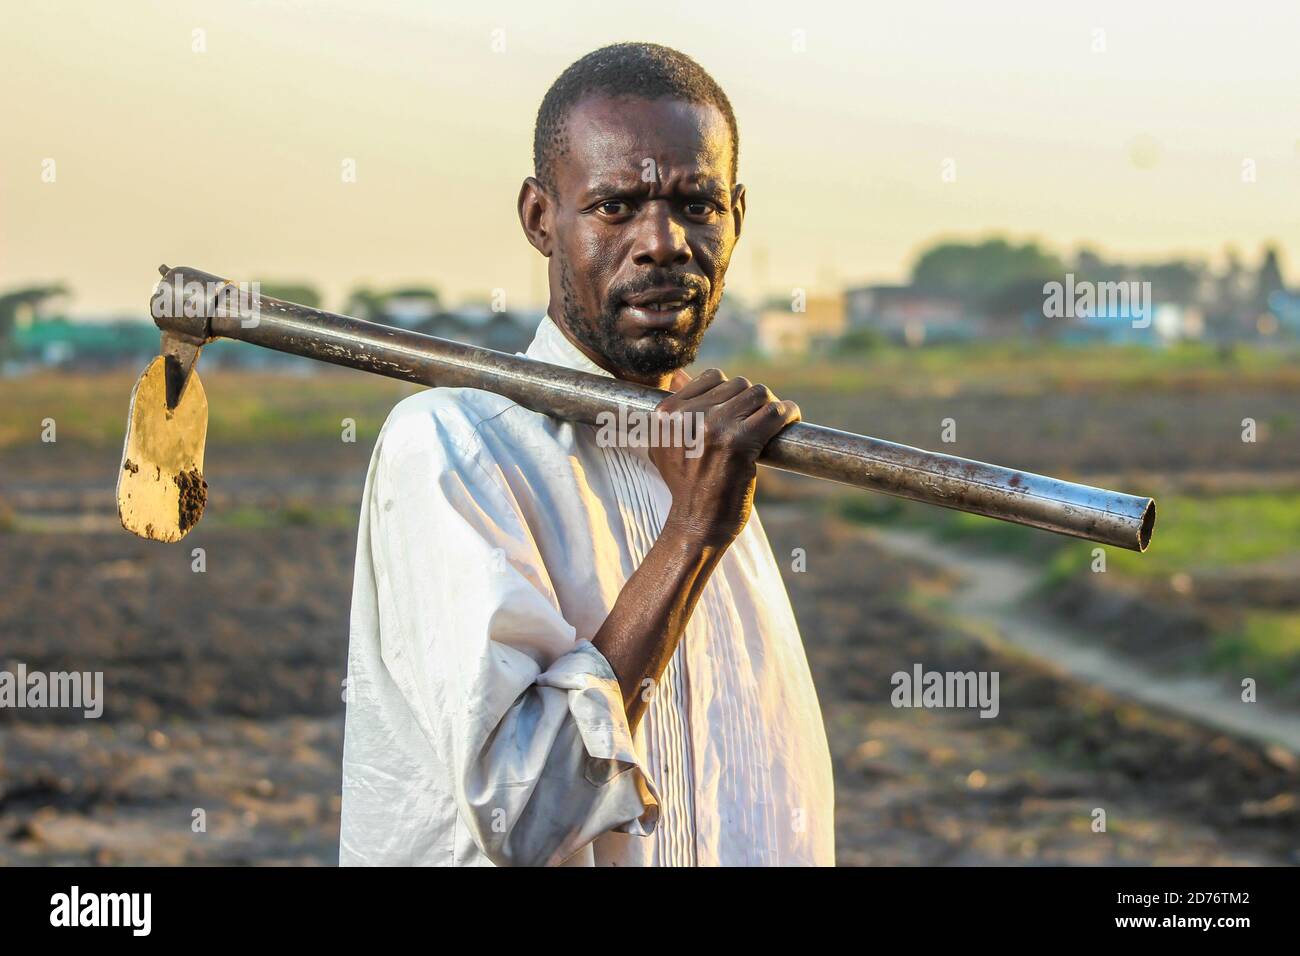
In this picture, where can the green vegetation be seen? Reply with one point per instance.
(857, 342)
(262, 408)
(985, 270)
(244, 407)
(1028, 368)
(258, 407)
(1266, 646)
(949, 526)
(1195, 535)
(1202, 533)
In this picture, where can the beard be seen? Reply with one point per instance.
(656, 352)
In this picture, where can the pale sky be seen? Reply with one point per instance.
(231, 159)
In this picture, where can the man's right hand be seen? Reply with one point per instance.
(712, 484)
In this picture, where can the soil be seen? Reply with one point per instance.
(193, 496)
(942, 787)
(223, 706)
(221, 737)
(1175, 632)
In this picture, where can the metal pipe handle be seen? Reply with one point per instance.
(219, 311)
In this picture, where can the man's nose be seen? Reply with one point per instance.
(660, 240)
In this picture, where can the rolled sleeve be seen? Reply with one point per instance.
(526, 719)
(596, 706)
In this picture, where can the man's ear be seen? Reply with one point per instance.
(738, 207)
(535, 210)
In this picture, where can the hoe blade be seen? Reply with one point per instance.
(160, 487)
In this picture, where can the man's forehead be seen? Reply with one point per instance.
(614, 136)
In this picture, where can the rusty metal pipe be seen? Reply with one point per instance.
(216, 310)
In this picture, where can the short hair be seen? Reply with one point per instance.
(644, 70)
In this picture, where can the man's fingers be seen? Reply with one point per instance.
(701, 383)
(679, 380)
(747, 400)
(772, 417)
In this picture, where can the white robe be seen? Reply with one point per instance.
(484, 728)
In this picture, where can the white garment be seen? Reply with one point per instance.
(484, 728)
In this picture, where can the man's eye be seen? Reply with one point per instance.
(699, 208)
(613, 207)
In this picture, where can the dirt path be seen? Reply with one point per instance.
(946, 787)
(992, 593)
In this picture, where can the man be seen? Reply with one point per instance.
(570, 650)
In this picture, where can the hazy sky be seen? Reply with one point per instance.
(231, 159)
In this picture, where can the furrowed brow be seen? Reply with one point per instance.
(710, 189)
(613, 190)
(635, 189)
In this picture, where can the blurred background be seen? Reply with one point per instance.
(919, 176)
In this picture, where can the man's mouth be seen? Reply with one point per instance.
(659, 308)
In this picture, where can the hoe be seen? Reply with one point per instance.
(161, 490)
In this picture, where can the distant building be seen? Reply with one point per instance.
(408, 311)
(85, 344)
(906, 314)
(1167, 323)
(446, 325)
(1178, 323)
(734, 330)
(477, 324)
(1284, 307)
(510, 331)
(781, 331)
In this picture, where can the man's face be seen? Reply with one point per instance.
(639, 228)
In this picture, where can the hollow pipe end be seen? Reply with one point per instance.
(1148, 526)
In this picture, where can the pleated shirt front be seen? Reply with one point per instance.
(484, 728)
